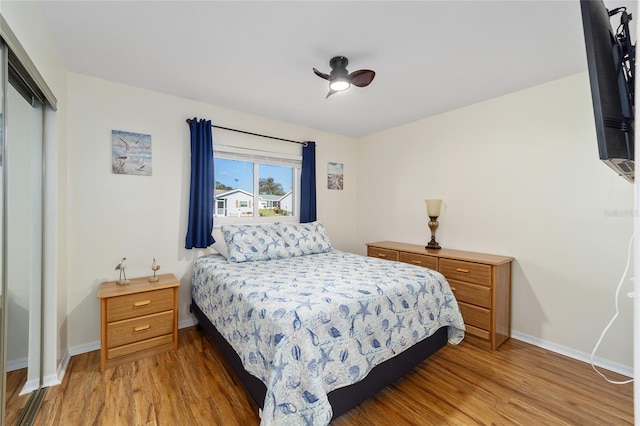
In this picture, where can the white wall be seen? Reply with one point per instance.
(519, 176)
(140, 217)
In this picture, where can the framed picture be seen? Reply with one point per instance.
(335, 176)
(130, 153)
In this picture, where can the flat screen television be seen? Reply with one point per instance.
(611, 65)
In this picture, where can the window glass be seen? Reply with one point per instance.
(255, 188)
(275, 190)
(234, 188)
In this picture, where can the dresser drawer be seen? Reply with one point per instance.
(139, 304)
(382, 253)
(475, 315)
(138, 329)
(466, 271)
(471, 293)
(430, 262)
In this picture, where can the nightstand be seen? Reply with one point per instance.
(137, 319)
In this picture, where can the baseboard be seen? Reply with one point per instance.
(30, 386)
(56, 379)
(17, 364)
(84, 348)
(188, 322)
(625, 370)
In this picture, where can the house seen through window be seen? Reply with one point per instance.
(249, 187)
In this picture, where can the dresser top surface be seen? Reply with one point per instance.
(137, 285)
(468, 256)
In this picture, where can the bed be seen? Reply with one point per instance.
(310, 330)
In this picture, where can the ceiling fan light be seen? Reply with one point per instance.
(339, 85)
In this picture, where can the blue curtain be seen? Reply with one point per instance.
(308, 183)
(201, 194)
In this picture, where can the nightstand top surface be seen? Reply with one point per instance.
(137, 285)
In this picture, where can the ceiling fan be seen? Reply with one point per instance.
(340, 79)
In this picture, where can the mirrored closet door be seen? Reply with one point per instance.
(22, 187)
(24, 171)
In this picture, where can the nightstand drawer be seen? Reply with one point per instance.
(477, 332)
(419, 259)
(139, 304)
(382, 253)
(466, 271)
(475, 315)
(131, 348)
(471, 293)
(138, 329)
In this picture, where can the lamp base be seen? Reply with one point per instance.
(433, 225)
(433, 245)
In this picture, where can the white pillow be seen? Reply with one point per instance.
(306, 238)
(220, 245)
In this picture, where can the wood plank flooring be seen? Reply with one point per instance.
(519, 384)
(15, 382)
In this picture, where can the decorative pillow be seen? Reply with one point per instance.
(306, 238)
(249, 243)
(220, 245)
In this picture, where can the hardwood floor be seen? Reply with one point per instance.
(15, 403)
(519, 384)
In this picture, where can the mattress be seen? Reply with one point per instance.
(310, 324)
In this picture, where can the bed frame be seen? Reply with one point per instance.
(342, 399)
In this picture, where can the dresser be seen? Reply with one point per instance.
(137, 319)
(480, 282)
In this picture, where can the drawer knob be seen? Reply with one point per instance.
(453, 289)
(463, 271)
(382, 255)
(141, 328)
(416, 262)
(141, 303)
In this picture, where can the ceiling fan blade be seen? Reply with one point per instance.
(331, 92)
(321, 74)
(361, 78)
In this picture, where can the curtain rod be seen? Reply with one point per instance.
(253, 134)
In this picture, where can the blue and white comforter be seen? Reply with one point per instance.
(307, 325)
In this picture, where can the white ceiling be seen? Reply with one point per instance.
(257, 56)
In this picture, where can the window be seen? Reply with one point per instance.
(254, 186)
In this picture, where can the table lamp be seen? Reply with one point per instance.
(433, 211)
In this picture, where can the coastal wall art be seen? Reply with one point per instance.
(130, 153)
(335, 176)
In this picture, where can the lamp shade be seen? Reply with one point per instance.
(433, 207)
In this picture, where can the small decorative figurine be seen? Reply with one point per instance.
(154, 268)
(122, 266)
